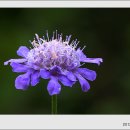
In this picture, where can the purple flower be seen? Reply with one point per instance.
(54, 59)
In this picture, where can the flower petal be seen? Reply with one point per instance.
(45, 74)
(86, 73)
(83, 82)
(15, 60)
(22, 51)
(69, 75)
(55, 70)
(93, 60)
(22, 81)
(53, 87)
(83, 58)
(65, 81)
(33, 65)
(35, 77)
(18, 67)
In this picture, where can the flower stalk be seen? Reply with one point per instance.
(54, 104)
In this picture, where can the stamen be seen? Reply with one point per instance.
(60, 37)
(69, 38)
(37, 37)
(47, 35)
(81, 64)
(30, 41)
(77, 43)
(56, 34)
(72, 43)
(83, 48)
(66, 38)
(53, 36)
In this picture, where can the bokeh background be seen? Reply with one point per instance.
(106, 34)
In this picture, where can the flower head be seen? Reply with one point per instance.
(55, 59)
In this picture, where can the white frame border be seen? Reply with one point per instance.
(59, 122)
(64, 121)
(64, 4)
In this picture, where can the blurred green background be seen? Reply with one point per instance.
(106, 34)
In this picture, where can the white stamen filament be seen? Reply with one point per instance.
(47, 53)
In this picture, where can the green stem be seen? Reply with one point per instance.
(54, 104)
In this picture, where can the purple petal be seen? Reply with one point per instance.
(69, 75)
(86, 73)
(83, 82)
(93, 60)
(15, 60)
(35, 67)
(19, 67)
(23, 51)
(45, 74)
(83, 58)
(22, 81)
(35, 77)
(55, 70)
(65, 81)
(53, 87)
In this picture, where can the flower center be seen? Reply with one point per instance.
(54, 52)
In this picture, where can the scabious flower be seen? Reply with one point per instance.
(54, 59)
